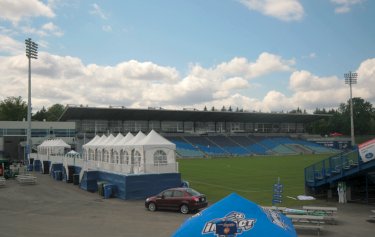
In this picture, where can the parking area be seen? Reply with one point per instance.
(55, 208)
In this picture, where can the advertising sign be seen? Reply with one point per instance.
(367, 150)
(277, 192)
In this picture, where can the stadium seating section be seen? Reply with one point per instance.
(220, 145)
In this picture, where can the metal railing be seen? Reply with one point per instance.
(334, 166)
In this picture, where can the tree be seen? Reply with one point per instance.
(364, 119)
(205, 108)
(54, 112)
(363, 114)
(40, 115)
(13, 109)
(296, 111)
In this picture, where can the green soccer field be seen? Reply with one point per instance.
(250, 177)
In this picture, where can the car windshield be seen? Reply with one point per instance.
(192, 192)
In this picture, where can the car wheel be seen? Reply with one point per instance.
(151, 206)
(184, 209)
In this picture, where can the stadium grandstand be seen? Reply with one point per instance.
(356, 168)
(204, 133)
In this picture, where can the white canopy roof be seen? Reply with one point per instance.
(92, 141)
(124, 140)
(140, 135)
(118, 138)
(54, 143)
(99, 142)
(107, 141)
(155, 139)
(72, 153)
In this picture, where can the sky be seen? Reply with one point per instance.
(256, 55)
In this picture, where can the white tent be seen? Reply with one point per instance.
(53, 147)
(102, 148)
(119, 145)
(132, 154)
(118, 138)
(156, 151)
(135, 155)
(89, 148)
(109, 148)
(72, 153)
(92, 141)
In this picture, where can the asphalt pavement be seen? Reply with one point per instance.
(55, 208)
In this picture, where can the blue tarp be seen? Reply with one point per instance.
(131, 187)
(235, 216)
(37, 165)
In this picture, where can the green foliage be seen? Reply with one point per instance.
(363, 114)
(13, 109)
(40, 115)
(250, 177)
(54, 112)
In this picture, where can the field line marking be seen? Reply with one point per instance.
(229, 188)
(238, 190)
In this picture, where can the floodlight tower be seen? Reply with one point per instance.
(31, 52)
(350, 79)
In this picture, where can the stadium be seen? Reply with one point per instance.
(222, 134)
(132, 154)
(200, 134)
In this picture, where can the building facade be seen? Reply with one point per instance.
(13, 136)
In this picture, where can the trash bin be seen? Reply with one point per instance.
(108, 190)
(101, 187)
(30, 167)
(46, 167)
(75, 179)
(58, 175)
(69, 178)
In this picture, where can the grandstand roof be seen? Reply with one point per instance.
(91, 113)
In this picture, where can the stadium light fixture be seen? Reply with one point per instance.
(350, 79)
(31, 53)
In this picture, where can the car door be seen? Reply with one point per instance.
(177, 199)
(163, 201)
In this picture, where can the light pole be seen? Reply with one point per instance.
(350, 79)
(31, 52)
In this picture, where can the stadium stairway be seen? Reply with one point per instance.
(337, 167)
(228, 145)
(185, 149)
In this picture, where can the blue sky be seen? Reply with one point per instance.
(259, 55)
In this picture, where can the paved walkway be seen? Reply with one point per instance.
(54, 208)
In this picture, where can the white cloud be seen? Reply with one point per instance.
(305, 81)
(97, 11)
(107, 28)
(285, 10)
(51, 28)
(239, 66)
(309, 56)
(366, 80)
(277, 101)
(10, 46)
(63, 3)
(67, 80)
(15, 11)
(45, 30)
(344, 6)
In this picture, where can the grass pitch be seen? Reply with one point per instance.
(250, 177)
